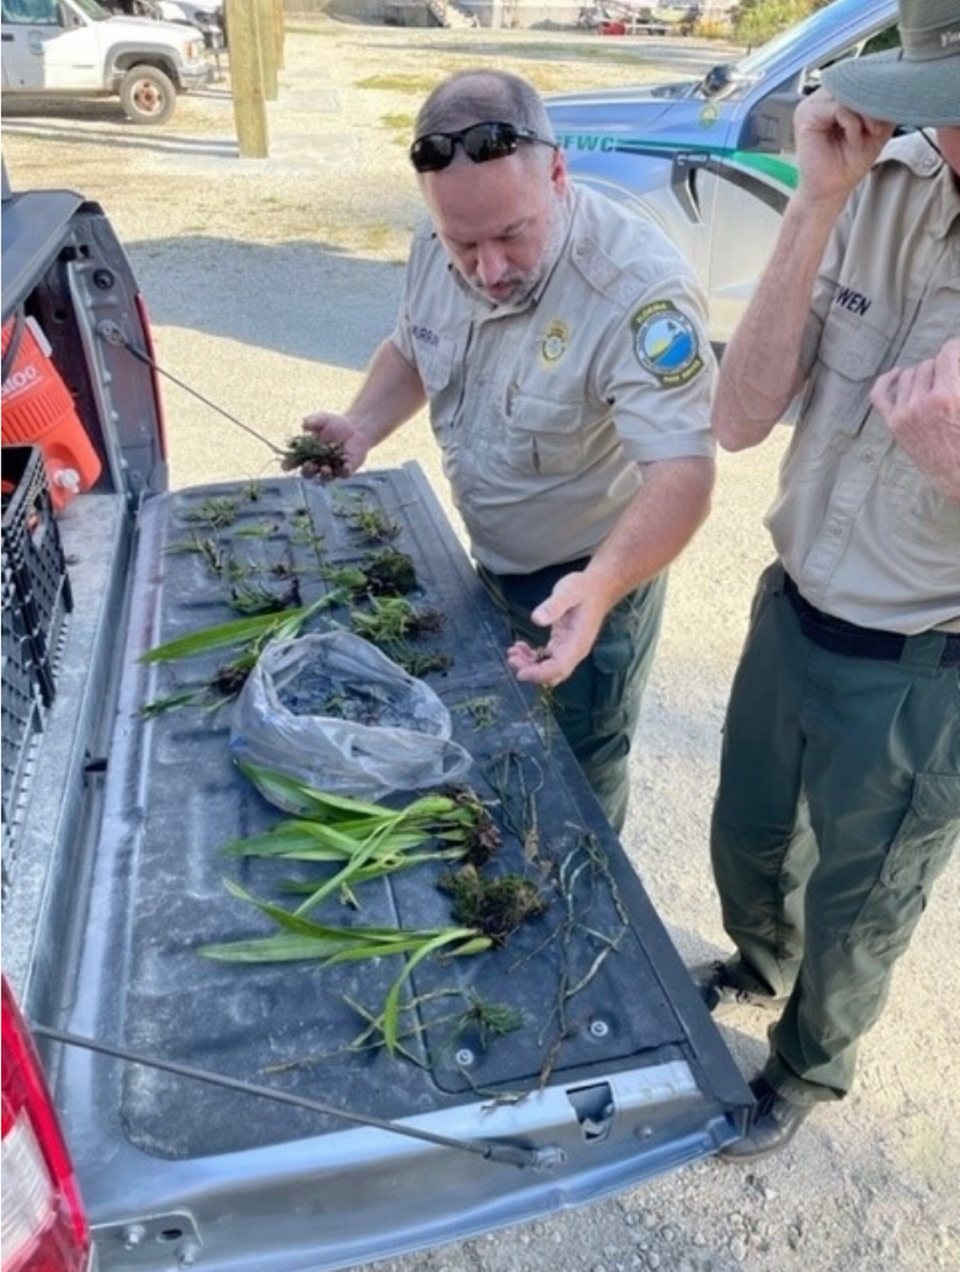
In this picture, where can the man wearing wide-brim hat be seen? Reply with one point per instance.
(839, 795)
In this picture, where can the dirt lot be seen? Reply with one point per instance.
(269, 282)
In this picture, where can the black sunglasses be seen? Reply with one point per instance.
(481, 143)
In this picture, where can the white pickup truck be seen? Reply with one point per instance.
(75, 48)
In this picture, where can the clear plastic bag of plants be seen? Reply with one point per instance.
(333, 711)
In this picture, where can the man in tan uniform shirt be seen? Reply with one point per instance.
(839, 795)
(559, 341)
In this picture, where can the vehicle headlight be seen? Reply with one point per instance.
(193, 50)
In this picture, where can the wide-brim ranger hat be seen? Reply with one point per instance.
(918, 84)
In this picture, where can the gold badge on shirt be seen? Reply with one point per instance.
(666, 343)
(556, 341)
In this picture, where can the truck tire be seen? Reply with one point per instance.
(147, 95)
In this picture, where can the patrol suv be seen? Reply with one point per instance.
(711, 159)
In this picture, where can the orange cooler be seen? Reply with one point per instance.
(38, 410)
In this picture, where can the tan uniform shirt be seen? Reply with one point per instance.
(862, 531)
(546, 411)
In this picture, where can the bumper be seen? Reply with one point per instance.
(196, 76)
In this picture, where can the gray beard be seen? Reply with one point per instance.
(533, 278)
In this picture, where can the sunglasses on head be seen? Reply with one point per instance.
(481, 143)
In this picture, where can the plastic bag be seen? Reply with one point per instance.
(333, 711)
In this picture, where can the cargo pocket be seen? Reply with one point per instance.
(927, 836)
(623, 654)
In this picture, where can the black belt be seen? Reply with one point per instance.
(550, 575)
(841, 637)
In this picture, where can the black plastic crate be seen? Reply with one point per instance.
(20, 706)
(33, 553)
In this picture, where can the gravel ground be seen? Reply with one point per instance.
(270, 282)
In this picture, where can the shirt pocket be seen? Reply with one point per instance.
(849, 360)
(924, 517)
(435, 363)
(544, 436)
(836, 401)
(437, 366)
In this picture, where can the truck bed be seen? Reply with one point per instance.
(615, 1074)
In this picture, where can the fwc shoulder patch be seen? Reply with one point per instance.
(666, 343)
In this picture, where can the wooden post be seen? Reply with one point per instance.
(268, 47)
(246, 76)
(279, 28)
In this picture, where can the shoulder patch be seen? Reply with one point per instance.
(666, 343)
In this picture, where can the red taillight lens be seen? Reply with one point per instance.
(44, 1228)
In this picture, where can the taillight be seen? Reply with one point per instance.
(44, 1228)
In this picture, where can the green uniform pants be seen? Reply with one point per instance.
(838, 805)
(598, 706)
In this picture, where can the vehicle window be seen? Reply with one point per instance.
(757, 64)
(733, 81)
(92, 9)
(31, 12)
(879, 42)
(883, 40)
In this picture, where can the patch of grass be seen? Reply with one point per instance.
(377, 238)
(399, 126)
(417, 85)
(397, 121)
(330, 30)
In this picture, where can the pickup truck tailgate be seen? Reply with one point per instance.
(612, 1074)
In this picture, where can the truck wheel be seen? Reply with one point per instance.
(147, 95)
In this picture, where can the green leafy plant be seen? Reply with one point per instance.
(495, 906)
(255, 598)
(250, 634)
(217, 512)
(482, 710)
(392, 623)
(489, 1020)
(342, 826)
(387, 573)
(300, 938)
(372, 522)
(259, 628)
(366, 840)
(391, 620)
(306, 448)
